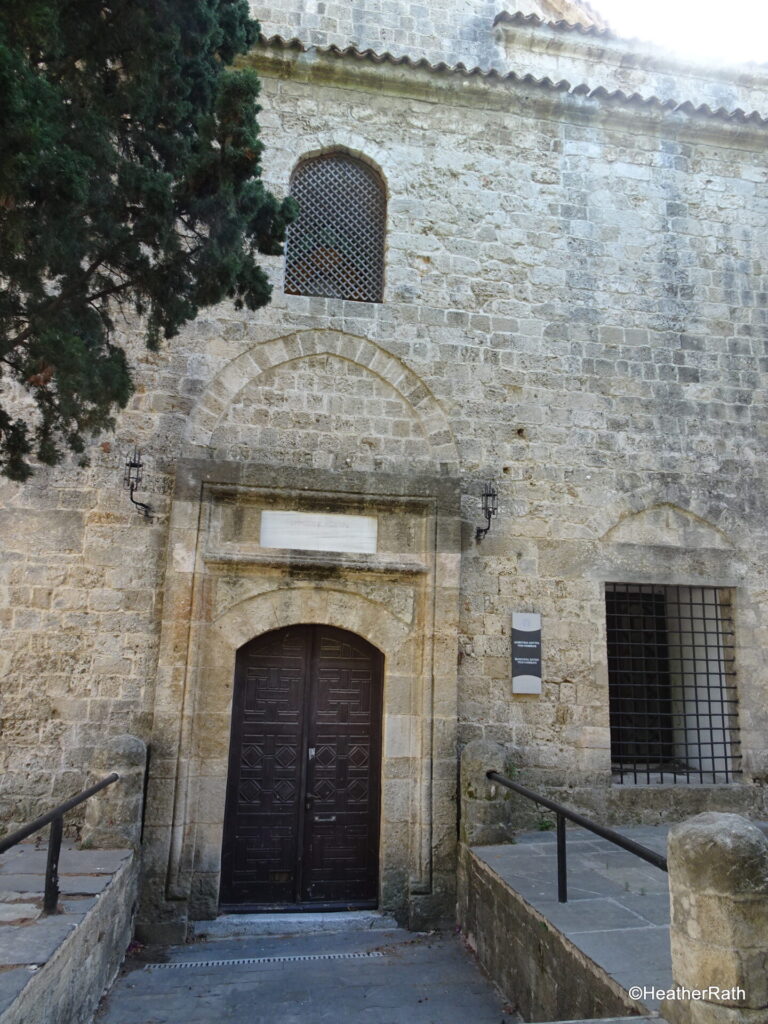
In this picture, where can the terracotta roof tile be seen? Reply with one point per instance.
(562, 26)
(582, 89)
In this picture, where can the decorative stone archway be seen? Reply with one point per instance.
(209, 727)
(222, 392)
(222, 589)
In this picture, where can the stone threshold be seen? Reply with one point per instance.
(232, 925)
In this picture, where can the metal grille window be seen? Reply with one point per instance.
(671, 684)
(336, 245)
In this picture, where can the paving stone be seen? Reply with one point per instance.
(419, 979)
(654, 907)
(27, 859)
(591, 915)
(37, 942)
(80, 905)
(11, 983)
(13, 911)
(632, 956)
(280, 924)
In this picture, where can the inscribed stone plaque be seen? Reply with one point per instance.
(526, 652)
(318, 531)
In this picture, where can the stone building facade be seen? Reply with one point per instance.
(573, 306)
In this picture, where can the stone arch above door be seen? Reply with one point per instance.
(409, 691)
(290, 606)
(387, 373)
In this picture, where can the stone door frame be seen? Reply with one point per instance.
(217, 598)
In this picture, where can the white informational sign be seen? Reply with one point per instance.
(526, 652)
(318, 531)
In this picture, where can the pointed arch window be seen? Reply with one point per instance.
(335, 247)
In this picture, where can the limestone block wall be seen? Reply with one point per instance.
(542, 974)
(460, 31)
(581, 294)
(574, 306)
(79, 602)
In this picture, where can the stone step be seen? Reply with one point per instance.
(231, 925)
(612, 1020)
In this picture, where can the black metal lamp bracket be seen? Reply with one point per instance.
(490, 500)
(132, 480)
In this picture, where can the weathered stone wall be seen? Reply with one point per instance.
(542, 975)
(574, 305)
(460, 31)
(541, 38)
(581, 293)
(79, 605)
(325, 413)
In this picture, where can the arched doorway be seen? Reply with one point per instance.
(303, 791)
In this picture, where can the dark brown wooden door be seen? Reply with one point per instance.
(302, 813)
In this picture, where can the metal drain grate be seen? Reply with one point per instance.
(248, 960)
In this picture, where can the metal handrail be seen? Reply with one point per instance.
(562, 812)
(55, 818)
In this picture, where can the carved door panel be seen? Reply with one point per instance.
(301, 821)
(341, 829)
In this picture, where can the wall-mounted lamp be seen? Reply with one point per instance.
(132, 480)
(490, 499)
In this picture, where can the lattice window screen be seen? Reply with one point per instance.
(336, 246)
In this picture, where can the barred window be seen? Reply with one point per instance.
(671, 684)
(336, 245)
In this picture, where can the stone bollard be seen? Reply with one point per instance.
(484, 804)
(718, 882)
(113, 816)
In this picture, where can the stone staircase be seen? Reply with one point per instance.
(53, 969)
(581, 959)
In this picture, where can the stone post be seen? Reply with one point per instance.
(113, 816)
(718, 881)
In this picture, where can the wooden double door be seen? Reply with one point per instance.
(303, 792)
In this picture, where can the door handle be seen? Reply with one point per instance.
(331, 818)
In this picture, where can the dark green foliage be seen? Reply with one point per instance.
(129, 184)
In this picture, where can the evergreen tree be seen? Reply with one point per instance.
(129, 184)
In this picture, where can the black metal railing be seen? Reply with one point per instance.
(55, 819)
(562, 813)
